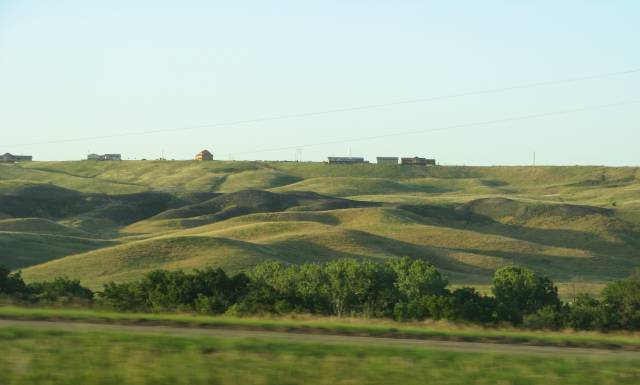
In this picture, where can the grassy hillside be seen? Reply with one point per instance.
(19, 250)
(41, 226)
(102, 221)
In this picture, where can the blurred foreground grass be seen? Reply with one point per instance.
(89, 358)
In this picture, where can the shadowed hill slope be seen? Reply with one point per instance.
(254, 201)
(19, 250)
(467, 249)
(41, 226)
(240, 203)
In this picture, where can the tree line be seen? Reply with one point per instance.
(403, 289)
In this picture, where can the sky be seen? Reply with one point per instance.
(91, 76)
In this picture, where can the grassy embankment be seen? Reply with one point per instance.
(336, 326)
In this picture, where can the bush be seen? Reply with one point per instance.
(419, 309)
(586, 313)
(60, 289)
(519, 292)
(122, 297)
(214, 304)
(12, 285)
(621, 304)
(547, 318)
(209, 291)
(470, 306)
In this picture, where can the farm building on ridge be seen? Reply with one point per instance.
(345, 160)
(417, 161)
(104, 157)
(387, 160)
(204, 155)
(10, 158)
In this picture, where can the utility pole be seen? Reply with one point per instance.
(534, 159)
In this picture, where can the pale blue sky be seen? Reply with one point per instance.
(73, 69)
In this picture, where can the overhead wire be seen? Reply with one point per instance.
(335, 110)
(449, 127)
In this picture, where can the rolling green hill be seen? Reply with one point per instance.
(103, 221)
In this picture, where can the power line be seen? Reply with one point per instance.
(452, 127)
(339, 110)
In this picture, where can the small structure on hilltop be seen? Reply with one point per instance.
(417, 161)
(10, 158)
(204, 155)
(345, 160)
(104, 157)
(387, 160)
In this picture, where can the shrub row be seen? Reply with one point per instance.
(402, 289)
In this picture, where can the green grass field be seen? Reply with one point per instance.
(104, 221)
(60, 357)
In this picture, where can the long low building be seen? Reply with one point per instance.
(417, 161)
(387, 160)
(10, 158)
(104, 157)
(345, 160)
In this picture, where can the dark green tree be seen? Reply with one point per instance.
(11, 284)
(470, 306)
(312, 289)
(60, 289)
(519, 292)
(353, 287)
(416, 278)
(271, 288)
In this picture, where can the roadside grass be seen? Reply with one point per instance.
(90, 358)
(337, 326)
